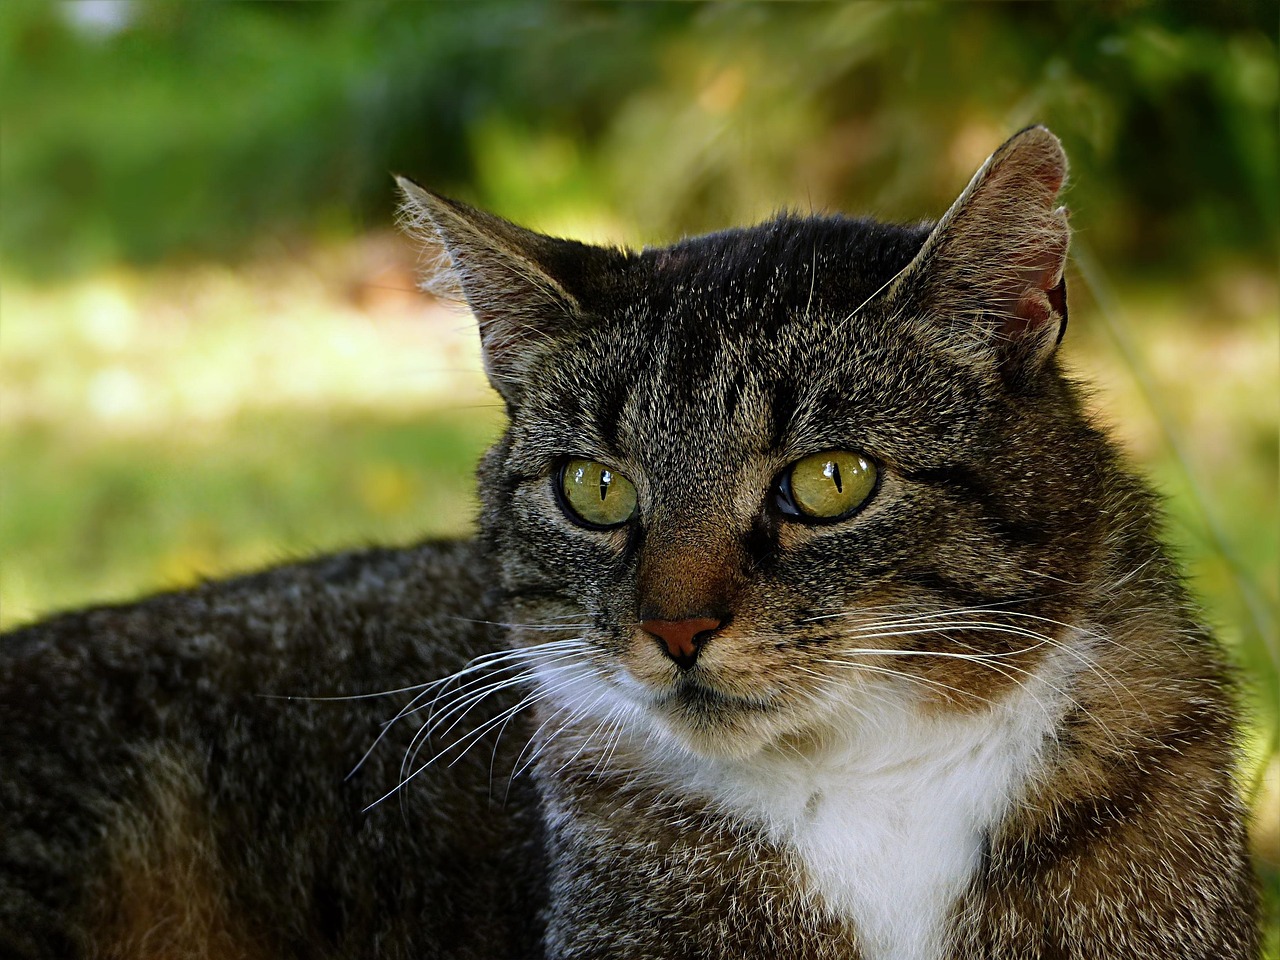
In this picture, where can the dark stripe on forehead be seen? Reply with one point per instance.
(782, 411)
(611, 400)
(735, 388)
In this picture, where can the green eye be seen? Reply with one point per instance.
(827, 486)
(595, 496)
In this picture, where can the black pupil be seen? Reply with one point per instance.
(605, 479)
(833, 471)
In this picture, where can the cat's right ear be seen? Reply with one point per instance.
(513, 280)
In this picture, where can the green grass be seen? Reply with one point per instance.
(108, 518)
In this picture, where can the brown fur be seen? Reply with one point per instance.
(163, 894)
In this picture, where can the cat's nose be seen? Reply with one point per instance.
(682, 639)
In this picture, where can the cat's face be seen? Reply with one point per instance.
(754, 481)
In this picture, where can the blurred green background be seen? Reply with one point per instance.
(212, 356)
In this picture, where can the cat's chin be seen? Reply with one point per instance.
(700, 720)
(696, 714)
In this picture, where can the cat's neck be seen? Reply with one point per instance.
(887, 815)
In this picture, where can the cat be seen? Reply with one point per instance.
(810, 616)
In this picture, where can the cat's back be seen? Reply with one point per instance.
(162, 794)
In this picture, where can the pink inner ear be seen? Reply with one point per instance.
(1037, 307)
(1051, 174)
(1041, 294)
(1032, 310)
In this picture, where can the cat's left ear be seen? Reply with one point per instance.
(988, 283)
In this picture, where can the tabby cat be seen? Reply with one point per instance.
(810, 617)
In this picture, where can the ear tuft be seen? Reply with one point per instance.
(505, 274)
(988, 282)
(437, 274)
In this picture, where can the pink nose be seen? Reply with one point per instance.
(682, 639)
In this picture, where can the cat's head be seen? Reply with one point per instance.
(757, 477)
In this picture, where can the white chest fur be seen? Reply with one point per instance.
(889, 822)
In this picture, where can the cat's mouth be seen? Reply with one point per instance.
(692, 696)
(708, 721)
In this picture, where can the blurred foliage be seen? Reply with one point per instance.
(139, 131)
